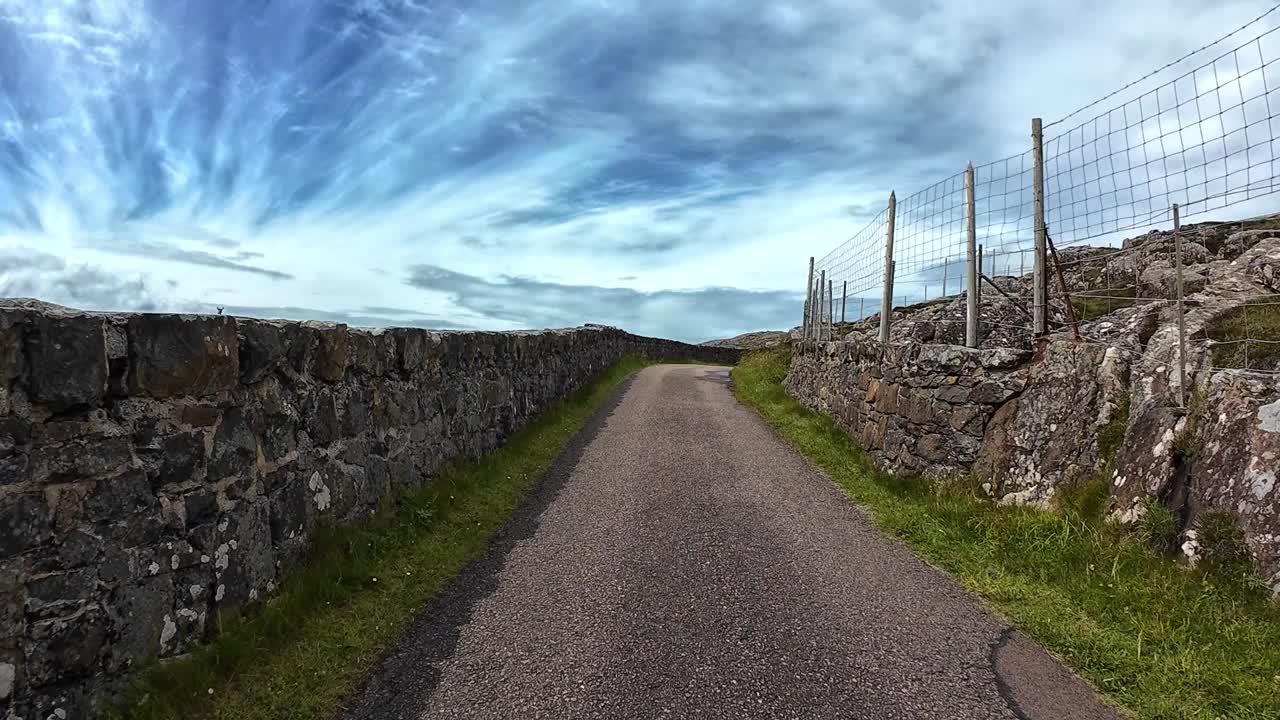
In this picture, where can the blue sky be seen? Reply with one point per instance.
(662, 165)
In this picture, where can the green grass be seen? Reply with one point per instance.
(1088, 307)
(302, 652)
(1260, 322)
(1166, 642)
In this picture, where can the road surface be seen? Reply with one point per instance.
(681, 561)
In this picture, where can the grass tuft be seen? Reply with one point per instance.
(1166, 642)
(1090, 307)
(303, 650)
(1236, 327)
(1222, 549)
(1158, 528)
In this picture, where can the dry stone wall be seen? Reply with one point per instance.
(157, 469)
(912, 407)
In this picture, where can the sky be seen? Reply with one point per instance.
(665, 166)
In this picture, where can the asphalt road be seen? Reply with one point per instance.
(680, 560)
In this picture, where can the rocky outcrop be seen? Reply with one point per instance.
(1211, 446)
(158, 469)
(1234, 461)
(1049, 436)
(761, 340)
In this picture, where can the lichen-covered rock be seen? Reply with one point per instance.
(1049, 437)
(1236, 460)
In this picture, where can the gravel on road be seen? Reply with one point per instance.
(681, 560)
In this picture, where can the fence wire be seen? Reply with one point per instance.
(1205, 140)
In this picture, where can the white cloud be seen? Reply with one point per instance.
(681, 145)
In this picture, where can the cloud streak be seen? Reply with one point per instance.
(674, 162)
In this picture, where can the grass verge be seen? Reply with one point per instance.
(305, 649)
(1166, 642)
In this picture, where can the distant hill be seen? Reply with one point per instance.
(752, 340)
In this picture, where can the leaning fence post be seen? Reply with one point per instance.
(971, 240)
(886, 305)
(1039, 292)
(844, 298)
(1182, 320)
(808, 302)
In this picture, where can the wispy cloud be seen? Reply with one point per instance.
(296, 158)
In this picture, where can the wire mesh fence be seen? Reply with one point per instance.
(1200, 133)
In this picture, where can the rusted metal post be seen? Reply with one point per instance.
(1062, 285)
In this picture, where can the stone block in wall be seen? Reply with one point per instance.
(142, 620)
(235, 447)
(66, 648)
(263, 345)
(243, 560)
(15, 469)
(173, 355)
(969, 420)
(66, 360)
(887, 399)
(946, 359)
(97, 455)
(118, 498)
(991, 393)
(333, 352)
(373, 352)
(955, 394)
(1004, 358)
(411, 348)
(11, 347)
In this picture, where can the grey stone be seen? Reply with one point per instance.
(139, 622)
(60, 593)
(120, 497)
(333, 353)
(64, 649)
(235, 448)
(174, 355)
(25, 523)
(263, 345)
(67, 356)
